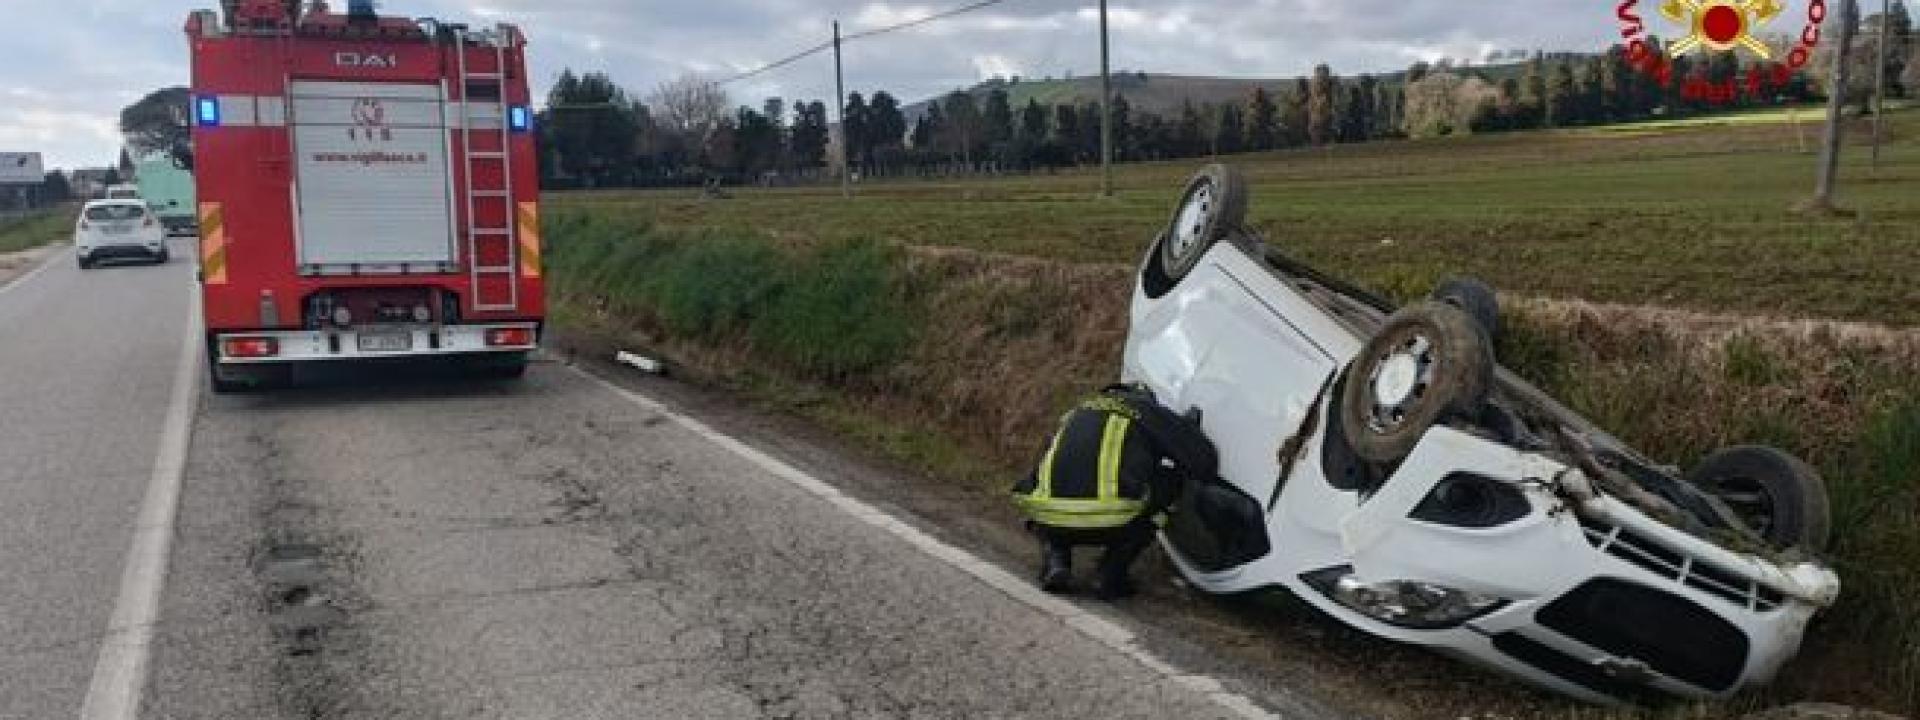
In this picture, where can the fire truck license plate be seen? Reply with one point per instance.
(386, 342)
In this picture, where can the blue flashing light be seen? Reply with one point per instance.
(206, 111)
(519, 118)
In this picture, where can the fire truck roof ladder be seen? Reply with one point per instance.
(480, 237)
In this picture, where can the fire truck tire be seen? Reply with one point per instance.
(497, 367)
(253, 379)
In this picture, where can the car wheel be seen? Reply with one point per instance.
(1213, 205)
(161, 258)
(1778, 496)
(1429, 362)
(85, 264)
(1475, 297)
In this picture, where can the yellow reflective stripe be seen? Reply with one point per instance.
(1043, 489)
(213, 244)
(529, 240)
(1111, 444)
(1082, 514)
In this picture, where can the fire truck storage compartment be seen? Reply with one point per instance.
(372, 181)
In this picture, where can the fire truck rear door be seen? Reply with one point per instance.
(372, 176)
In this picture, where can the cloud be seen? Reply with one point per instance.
(85, 59)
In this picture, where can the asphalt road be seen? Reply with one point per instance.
(392, 544)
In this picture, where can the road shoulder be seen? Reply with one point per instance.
(17, 265)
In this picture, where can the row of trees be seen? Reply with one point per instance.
(688, 131)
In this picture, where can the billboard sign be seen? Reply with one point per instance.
(16, 167)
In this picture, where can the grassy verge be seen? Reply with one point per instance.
(44, 227)
(958, 361)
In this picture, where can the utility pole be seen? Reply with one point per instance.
(1836, 102)
(1106, 110)
(840, 111)
(1880, 82)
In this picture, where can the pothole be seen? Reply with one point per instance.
(300, 611)
(292, 565)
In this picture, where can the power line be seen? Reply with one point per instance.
(825, 46)
(777, 64)
(922, 21)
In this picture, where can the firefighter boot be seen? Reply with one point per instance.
(1118, 560)
(1056, 566)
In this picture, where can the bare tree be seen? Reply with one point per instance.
(690, 104)
(1837, 99)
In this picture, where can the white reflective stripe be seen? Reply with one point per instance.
(272, 111)
(485, 115)
(356, 90)
(237, 111)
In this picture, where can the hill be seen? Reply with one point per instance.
(1163, 94)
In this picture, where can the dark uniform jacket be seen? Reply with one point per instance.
(1107, 464)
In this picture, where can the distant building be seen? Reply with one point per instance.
(22, 176)
(90, 183)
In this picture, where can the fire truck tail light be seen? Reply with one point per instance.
(519, 118)
(206, 111)
(250, 347)
(509, 337)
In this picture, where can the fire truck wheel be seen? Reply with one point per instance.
(254, 379)
(510, 367)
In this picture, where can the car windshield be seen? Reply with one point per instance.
(105, 213)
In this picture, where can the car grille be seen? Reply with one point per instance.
(1673, 635)
(1640, 550)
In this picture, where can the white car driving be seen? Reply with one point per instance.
(118, 229)
(1377, 463)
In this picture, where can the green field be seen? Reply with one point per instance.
(1697, 216)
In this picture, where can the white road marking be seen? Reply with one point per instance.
(1097, 628)
(120, 673)
(45, 262)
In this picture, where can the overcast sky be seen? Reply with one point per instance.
(68, 66)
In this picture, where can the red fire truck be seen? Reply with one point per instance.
(368, 189)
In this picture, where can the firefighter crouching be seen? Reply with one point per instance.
(1116, 464)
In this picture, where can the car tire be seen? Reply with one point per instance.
(85, 264)
(1475, 297)
(1431, 361)
(1213, 205)
(161, 258)
(1780, 497)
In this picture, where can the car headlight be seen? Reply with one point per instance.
(1409, 604)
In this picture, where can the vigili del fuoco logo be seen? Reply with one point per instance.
(1720, 26)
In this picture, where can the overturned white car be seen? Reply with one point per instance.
(1379, 464)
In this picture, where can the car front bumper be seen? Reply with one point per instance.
(1602, 602)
